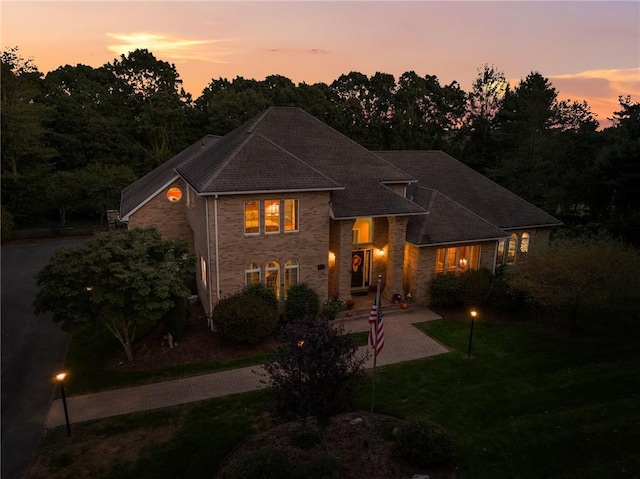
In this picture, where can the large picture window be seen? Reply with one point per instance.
(251, 217)
(290, 215)
(457, 260)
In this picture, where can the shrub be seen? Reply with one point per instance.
(445, 290)
(246, 317)
(475, 286)
(423, 443)
(263, 463)
(332, 307)
(261, 291)
(302, 303)
(175, 319)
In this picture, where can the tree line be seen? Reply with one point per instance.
(73, 138)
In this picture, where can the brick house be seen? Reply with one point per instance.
(285, 199)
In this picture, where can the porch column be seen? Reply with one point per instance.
(395, 256)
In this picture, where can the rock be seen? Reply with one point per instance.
(420, 476)
(357, 420)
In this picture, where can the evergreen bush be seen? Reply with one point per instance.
(246, 317)
(302, 303)
(445, 290)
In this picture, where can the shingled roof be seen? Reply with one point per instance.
(141, 191)
(282, 150)
(447, 222)
(438, 171)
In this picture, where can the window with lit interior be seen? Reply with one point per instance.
(251, 217)
(290, 215)
(291, 275)
(457, 260)
(272, 216)
(253, 274)
(272, 277)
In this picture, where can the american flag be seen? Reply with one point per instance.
(376, 329)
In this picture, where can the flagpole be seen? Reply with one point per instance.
(375, 347)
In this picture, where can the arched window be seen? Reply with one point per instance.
(291, 274)
(252, 274)
(524, 242)
(513, 246)
(272, 277)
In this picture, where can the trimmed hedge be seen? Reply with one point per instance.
(247, 317)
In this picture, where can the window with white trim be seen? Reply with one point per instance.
(203, 271)
(291, 275)
(272, 277)
(272, 216)
(251, 217)
(291, 215)
(253, 274)
(512, 249)
(524, 242)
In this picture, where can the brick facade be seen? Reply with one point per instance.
(322, 246)
(167, 217)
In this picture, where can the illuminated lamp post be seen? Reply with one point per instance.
(60, 378)
(473, 314)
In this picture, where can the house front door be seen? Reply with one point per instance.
(360, 268)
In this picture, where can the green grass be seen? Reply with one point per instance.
(528, 404)
(90, 348)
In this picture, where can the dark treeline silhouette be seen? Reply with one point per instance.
(73, 138)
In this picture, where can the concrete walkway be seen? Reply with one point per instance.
(403, 342)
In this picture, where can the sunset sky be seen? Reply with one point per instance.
(588, 50)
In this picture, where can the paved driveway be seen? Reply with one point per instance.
(32, 350)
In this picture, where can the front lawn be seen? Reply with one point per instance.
(530, 403)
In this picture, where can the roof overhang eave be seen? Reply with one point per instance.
(385, 215)
(149, 198)
(449, 243)
(267, 192)
(547, 225)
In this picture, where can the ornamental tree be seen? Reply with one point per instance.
(315, 372)
(122, 280)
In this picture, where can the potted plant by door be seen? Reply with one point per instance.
(350, 303)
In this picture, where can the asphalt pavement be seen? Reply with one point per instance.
(33, 349)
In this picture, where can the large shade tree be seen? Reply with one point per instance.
(122, 280)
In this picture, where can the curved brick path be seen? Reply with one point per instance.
(403, 342)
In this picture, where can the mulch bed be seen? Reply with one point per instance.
(199, 344)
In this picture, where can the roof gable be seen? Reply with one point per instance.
(142, 190)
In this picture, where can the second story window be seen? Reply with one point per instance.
(290, 215)
(272, 216)
(251, 217)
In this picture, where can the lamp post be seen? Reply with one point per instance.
(60, 378)
(473, 314)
